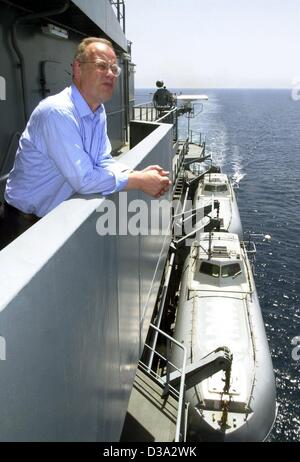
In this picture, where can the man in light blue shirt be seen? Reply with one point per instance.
(65, 149)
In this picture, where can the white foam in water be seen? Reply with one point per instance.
(238, 176)
(218, 148)
(237, 166)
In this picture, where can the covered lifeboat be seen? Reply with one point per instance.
(216, 186)
(219, 308)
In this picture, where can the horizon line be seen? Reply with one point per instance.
(222, 88)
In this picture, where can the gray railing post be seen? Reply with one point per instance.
(182, 427)
(166, 390)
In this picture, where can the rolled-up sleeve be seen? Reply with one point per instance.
(61, 135)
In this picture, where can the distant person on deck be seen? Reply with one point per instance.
(65, 148)
(162, 98)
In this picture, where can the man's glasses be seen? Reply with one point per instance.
(104, 66)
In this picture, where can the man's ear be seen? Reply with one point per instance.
(76, 69)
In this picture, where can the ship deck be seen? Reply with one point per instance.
(150, 416)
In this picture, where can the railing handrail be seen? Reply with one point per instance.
(146, 104)
(147, 112)
(179, 162)
(167, 114)
(181, 393)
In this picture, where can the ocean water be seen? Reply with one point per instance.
(255, 136)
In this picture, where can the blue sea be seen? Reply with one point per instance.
(255, 136)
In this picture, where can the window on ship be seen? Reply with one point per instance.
(210, 269)
(231, 270)
(215, 187)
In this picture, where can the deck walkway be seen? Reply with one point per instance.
(150, 417)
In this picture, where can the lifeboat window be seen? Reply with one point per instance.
(231, 270)
(210, 269)
(215, 188)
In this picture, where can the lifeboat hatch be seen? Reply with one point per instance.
(220, 250)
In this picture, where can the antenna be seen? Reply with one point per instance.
(189, 112)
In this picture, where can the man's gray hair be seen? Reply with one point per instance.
(81, 49)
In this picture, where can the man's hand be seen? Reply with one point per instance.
(159, 169)
(153, 180)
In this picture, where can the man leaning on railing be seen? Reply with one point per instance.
(65, 148)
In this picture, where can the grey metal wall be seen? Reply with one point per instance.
(103, 15)
(74, 312)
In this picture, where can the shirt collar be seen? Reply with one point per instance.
(81, 105)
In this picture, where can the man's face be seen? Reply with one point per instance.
(96, 85)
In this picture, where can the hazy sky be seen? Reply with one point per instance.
(215, 43)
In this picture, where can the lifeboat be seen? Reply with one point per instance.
(216, 186)
(219, 310)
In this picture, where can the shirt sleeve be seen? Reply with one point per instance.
(65, 148)
(105, 158)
